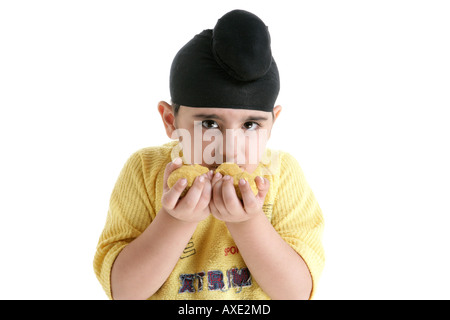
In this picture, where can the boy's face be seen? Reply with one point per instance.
(211, 136)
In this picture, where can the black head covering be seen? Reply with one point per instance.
(228, 67)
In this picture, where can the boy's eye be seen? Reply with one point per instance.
(210, 124)
(251, 125)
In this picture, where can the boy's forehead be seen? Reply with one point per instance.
(224, 113)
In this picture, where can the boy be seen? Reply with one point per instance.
(209, 244)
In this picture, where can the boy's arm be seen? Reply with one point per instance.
(275, 266)
(143, 266)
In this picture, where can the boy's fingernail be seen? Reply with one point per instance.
(183, 181)
(177, 161)
(201, 179)
(262, 179)
(217, 175)
(242, 182)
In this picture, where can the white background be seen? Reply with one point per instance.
(365, 95)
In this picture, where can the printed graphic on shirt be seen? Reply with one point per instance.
(235, 278)
(215, 280)
(189, 250)
(231, 250)
(239, 278)
(187, 282)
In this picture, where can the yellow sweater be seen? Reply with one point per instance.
(210, 266)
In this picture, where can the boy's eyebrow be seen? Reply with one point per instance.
(215, 116)
(207, 115)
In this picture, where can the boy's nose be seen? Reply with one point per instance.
(229, 149)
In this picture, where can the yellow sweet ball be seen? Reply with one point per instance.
(228, 168)
(233, 170)
(189, 172)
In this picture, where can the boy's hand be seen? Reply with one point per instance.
(226, 206)
(193, 207)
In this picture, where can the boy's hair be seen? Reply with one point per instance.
(176, 108)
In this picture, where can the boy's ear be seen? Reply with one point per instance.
(276, 112)
(167, 116)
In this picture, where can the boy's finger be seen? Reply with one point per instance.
(192, 197)
(216, 178)
(230, 199)
(217, 196)
(170, 198)
(263, 185)
(170, 167)
(205, 197)
(248, 197)
(214, 211)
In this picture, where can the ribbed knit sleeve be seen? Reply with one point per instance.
(298, 218)
(130, 212)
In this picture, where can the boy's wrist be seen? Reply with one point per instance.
(173, 220)
(253, 219)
